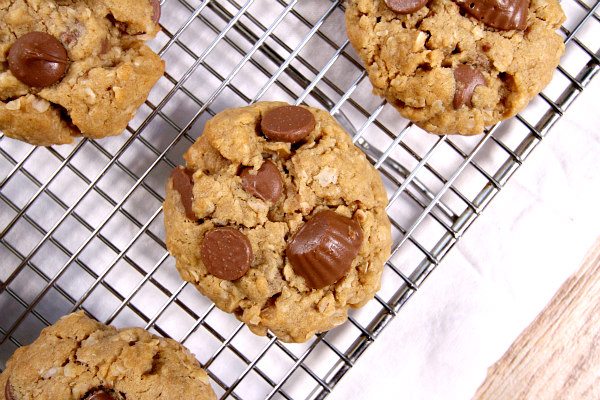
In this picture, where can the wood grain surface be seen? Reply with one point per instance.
(558, 355)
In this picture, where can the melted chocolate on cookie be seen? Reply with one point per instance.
(183, 183)
(266, 183)
(499, 14)
(467, 79)
(288, 124)
(406, 6)
(156, 10)
(226, 253)
(38, 59)
(323, 249)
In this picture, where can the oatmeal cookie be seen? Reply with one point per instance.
(81, 359)
(278, 218)
(74, 67)
(457, 66)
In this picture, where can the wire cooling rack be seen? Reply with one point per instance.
(81, 226)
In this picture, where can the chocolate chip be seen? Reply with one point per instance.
(8, 391)
(100, 395)
(500, 14)
(406, 6)
(266, 184)
(156, 10)
(467, 79)
(38, 59)
(323, 249)
(104, 46)
(288, 124)
(183, 183)
(226, 253)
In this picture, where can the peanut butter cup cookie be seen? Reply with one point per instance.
(80, 359)
(278, 218)
(74, 67)
(457, 66)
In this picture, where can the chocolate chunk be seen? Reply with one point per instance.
(104, 46)
(323, 249)
(156, 10)
(500, 14)
(288, 124)
(100, 395)
(38, 59)
(467, 79)
(266, 184)
(183, 183)
(226, 253)
(8, 391)
(406, 6)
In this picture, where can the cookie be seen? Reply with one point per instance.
(81, 359)
(74, 67)
(278, 218)
(457, 66)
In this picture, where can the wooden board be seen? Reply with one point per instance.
(558, 355)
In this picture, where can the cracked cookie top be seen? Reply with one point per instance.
(75, 67)
(279, 219)
(81, 359)
(457, 66)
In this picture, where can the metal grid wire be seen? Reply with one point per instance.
(81, 226)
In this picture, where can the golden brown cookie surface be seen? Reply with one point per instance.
(322, 172)
(448, 67)
(80, 359)
(108, 72)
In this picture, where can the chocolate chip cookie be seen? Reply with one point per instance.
(74, 67)
(457, 66)
(278, 218)
(81, 359)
